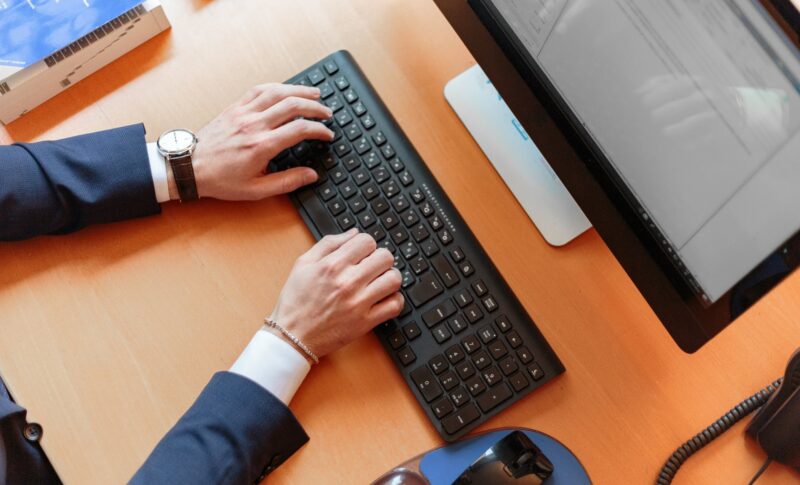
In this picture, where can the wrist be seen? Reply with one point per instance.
(286, 339)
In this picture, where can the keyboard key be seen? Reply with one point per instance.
(453, 423)
(399, 235)
(378, 138)
(427, 289)
(396, 340)
(361, 176)
(411, 331)
(341, 148)
(408, 279)
(487, 334)
(466, 268)
(494, 397)
(352, 132)
(419, 265)
(338, 175)
(508, 366)
(438, 364)
(417, 195)
(514, 339)
(326, 192)
(409, 250)
(459, 397)
(362, 146)
(419, 233)
(457, 324)
(366, 220)
(489, 303)
(471, 344)
(381, 175)
(438, 313)
(535, 371)
(503, 323)
(342, 83)
(367, 121)
(445, 271)
(480, 288)
(475, 385)
(449, 380)
(397, 165)
(348, 189)
(390, 188)
(316, 76)
(465, 370)
(370, 191)
(454, 354)
(336, 206)
(350, 96)
(357, 204)
(371, 160)
(525, 355)
(426, 209)
(335, 103)
(400, 203)
(406, 356)
(326, 90)
(463, 297)
(518, 381)
(406, 179)
(457, 255)
(359, 109)
(442, 408)
(474, 314)
(346, 221)
(410, 218)
(441, 333)
(497, 349)
(388, 151)
(379, 205)
(429, 248)
(492, 376)
(481, 359)
(426, 383)
(343, 118)
(389, 220)
(331, 67)
(436, 223)
(377, 233)
(302, 150)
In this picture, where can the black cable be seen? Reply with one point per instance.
(719, 426)
(760, 471)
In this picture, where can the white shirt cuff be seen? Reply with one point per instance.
(158, 169)
(274, 364)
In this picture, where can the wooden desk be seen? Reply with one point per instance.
(108, 335)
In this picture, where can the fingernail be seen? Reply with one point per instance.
(310, 176)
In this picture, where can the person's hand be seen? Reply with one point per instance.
(233, 149)
(339, 290)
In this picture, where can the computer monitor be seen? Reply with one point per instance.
(675, 125)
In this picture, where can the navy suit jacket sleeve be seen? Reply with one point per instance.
(235, 433)
(57, 187)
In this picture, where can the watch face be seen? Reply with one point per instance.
(176, 141)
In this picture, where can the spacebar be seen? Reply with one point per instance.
(317, 213)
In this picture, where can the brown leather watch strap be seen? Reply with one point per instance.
(183, 172)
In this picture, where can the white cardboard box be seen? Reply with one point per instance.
(22, 89)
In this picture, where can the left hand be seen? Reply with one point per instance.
(233, 149)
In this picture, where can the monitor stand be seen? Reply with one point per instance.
(515, 157)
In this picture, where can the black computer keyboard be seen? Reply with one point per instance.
(463, 342)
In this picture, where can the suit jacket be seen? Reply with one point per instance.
(236, 431)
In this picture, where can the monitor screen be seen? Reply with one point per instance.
(695, 108)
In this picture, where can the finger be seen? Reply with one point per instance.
(294, 107)
(296, 131)
(374, 265)
(383, 286)
(386, 309)
(269, 94)
(282, 182)
(329, 244)
(354, 250)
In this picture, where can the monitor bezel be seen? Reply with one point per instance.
(580, 165)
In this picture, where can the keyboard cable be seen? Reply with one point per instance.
(701, 439)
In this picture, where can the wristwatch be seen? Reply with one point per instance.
(177, 147)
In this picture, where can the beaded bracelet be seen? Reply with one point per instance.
(272, 324)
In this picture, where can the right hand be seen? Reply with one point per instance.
(339, 290)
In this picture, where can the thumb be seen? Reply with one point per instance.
(283, 182)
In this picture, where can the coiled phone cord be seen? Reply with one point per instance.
(719, 426)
